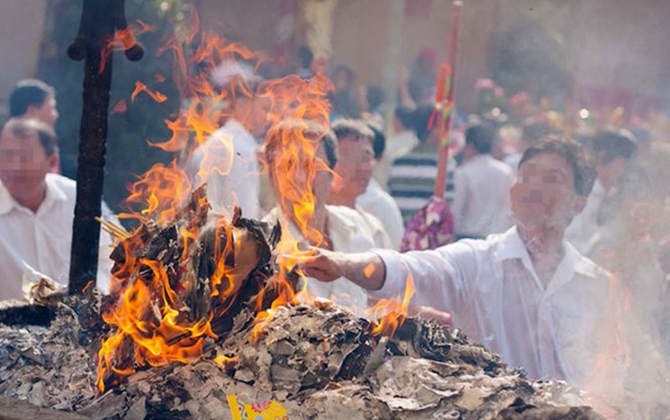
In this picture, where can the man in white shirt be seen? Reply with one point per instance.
(526, 294)
(376, 201)
(227, 160)
(36, 210)
(355, 164)
(481, 188)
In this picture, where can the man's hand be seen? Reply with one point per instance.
(324, 265)
(364, 269)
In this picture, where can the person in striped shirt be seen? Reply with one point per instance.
(412, 176)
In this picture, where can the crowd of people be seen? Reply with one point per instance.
(542, 222)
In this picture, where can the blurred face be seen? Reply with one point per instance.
(355, 164)
(23, 163)
(47, 112)
(544, 195)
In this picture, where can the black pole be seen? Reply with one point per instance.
(100, 19)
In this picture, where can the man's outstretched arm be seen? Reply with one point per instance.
(366, 269)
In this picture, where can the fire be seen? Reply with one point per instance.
(177, 276)
(163, 189)
(394, 311)
(141, 87)
(225, 360)
(123, 40)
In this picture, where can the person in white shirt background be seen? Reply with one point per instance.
(355, 164)
(37, 210)
(376, 201)
(227, 160)
(481, 201)
(526, 294)
(400, 143)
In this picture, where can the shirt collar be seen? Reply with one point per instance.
(512, 247)
(54, 193)
(7, 202)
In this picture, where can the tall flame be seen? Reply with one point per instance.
(153, 321)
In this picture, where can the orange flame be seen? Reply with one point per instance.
(141, 87)
(123, 40)
(394, 311)
(148, 315)
(164, 190)
(151, 321)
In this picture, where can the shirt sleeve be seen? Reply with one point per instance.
(443, 278)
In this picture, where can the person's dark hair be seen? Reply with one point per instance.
(534, 130)
(330, 146)
(378, 141)
(421, 118)
(25, 128)
(613, 144)
(405, 115)
(481, 136)
(28, 92)
(305, 56)
(583, 171)
(347, 127)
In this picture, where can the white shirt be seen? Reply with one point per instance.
(43, 239)
(348, 232)
(381, 205)
(232, 179)
(481, 197)
(496, 298)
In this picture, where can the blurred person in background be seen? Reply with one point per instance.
(37, 210)
(600, 226)
(304, 59)
(345, 100)
(422, 75)
(532, 131)
(375, 101)
(481, 187)
(376, 201)
(227, 160)
(412, 176)
(355, 164)
(35, 99)
(399, 144)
